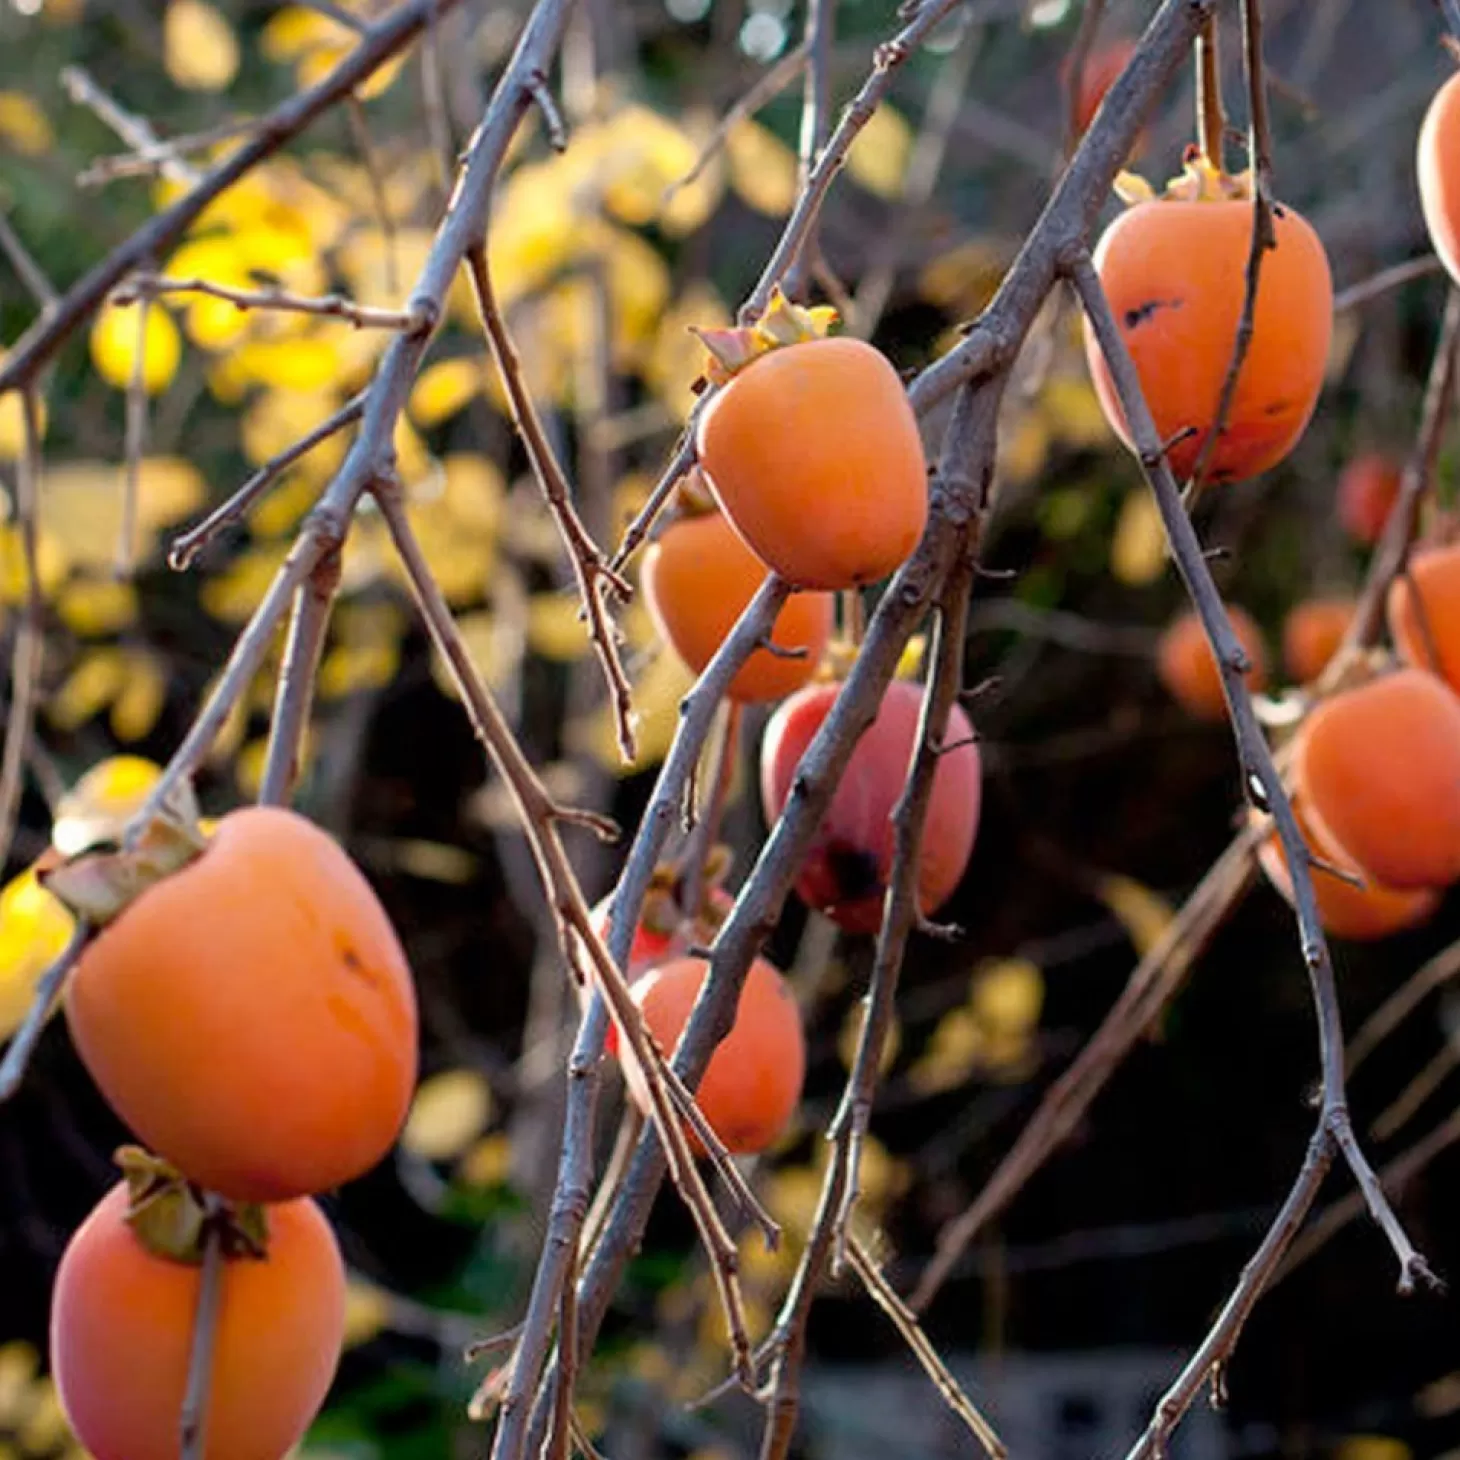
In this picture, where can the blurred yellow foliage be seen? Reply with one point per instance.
(657, 693)
(93, 606)
(199, 48)
(98, 807)
(1138, 545)
(12, 422)
(81, 505)
(446, 388)
(34, 928)
(880, 153)
(763, 170)
(556, 628)
(23, 125)
(116, 336)
(449, 1111)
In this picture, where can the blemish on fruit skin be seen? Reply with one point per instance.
(1142, 312)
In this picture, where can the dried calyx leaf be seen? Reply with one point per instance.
(841, 654)
(783, 323)
(171, 1218)
(101, 881)
(692, 496)
(1199, 182)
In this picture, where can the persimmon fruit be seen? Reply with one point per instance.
(846, 869)
(1367, 488)
(1424, 612)
(813, 452)
(753, 1081)
(1099, 73)
(121, 1337)
(251, 1016)
(1438, 165)
(698, 578)
(1187, 667)
(1174, 271)
(1361, 914)
(1312, 632)
(1377, 769)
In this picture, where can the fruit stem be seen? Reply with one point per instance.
(853, 616)
(702, 839)
(1211, 121)
(193, 1422)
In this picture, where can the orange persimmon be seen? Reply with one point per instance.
(1367, 487)
(1438, 164)
(1174, 270)
(698, 578)
(1312, 631)
(1377, 769)
(251, 1016)
(1188, 669)
(1431, 641)
(753, 1081)
(1362, 914)
(1099, 73)
(845, 870)
(813, 451)
(121, 1337)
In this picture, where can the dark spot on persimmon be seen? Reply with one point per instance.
(1276, 408)
(1142, 312)
(854, 870)
(1278, 211)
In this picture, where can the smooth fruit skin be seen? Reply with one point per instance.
(252, 1017)
(1361, 914)
(1434, 641)
(814, 454)
(1367, 487)
(846, 868)
(1312, 633)
(1101, 69)
(1188, 669)
(1377, 769)
(1438, 164)
(1174, 271)
(753, 1081)
(121, 1337)
(699, 577)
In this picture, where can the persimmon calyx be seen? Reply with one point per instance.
(1198, 182)
(171, 1218)
(100, 882)
(692, 496)
(783, 323)
(841, 655)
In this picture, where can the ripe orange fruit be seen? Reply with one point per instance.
(121, 1337)
(846, 869)
(753, 1081)
(1367, 487)
(1377, 768)
(251, 1017)
(1438, 162)
(1362, 914)
(1311, 633)
(1102, 66)
(698, 578)
(1186, 666)
(813, 452)
(1432, 642)
(1174, 270)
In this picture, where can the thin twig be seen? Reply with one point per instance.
(294, 695)
(28, 651)
(905, 1321)
(193, 1422)
(1450, 10)
(1211, 119)
(1263, 236)
(187, 545)
(1432, 975)
(819, 34)
(637, 530)
(1410, 1101)
(332, 306)
(1078, 56)
(365, 150)
(706, 832)
(594, 577)
(22, 1045)
(1260, 778)
(160, 154)
(156, 237)
(134, 130)
(135, 440)
(27, 270)
(1394, 277)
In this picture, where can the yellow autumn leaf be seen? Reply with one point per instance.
(276, 419)
(461, 563)
(306, 363)
(555, 628)
(1138, 545)
(963, 280)
(473, 493)
(488, 1162)
(1144, 914)
(952, 1054)
(446, 388)
(12, 422)
(212, 324)
(533, 231)
(23, 125)
(100, 804)
(114, 342)
(367, 1312)
(94, 606)
(357, 668)
(52, 562)
(232, 595)
(81, 506)
(1023, 446)
(45, 1430)
(656, 696)
(880, 152)
(763, 170)
(140, 700)
(1007, 995)
(93, 683)
(448, 1112)
(34, 928)
(199, 49)
(284, 504)
(1072, 409)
